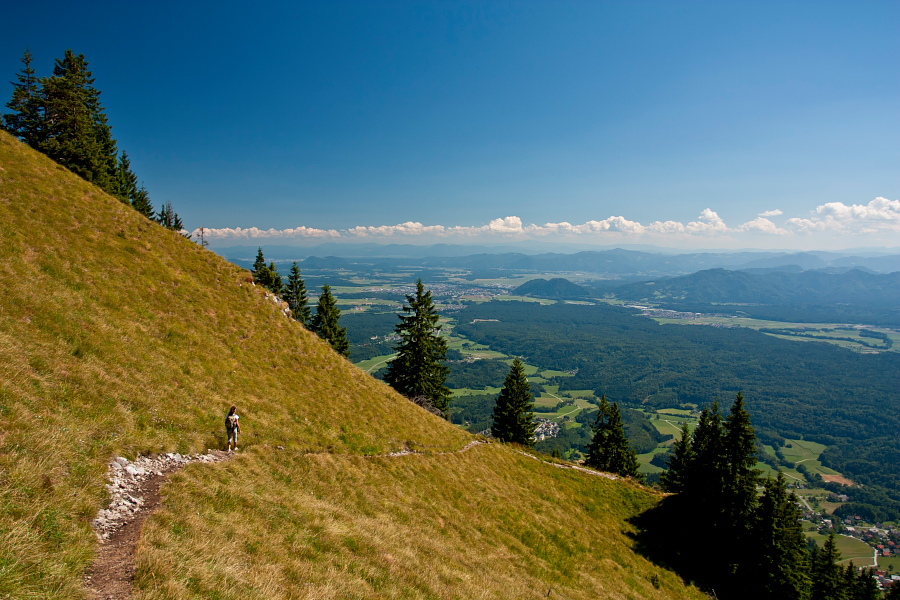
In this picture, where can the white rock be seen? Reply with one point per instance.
(122, 460)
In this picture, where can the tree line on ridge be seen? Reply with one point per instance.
(62, 117)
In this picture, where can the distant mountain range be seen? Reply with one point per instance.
(616, 263)
(720, 286)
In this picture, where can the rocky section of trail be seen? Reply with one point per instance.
(134, 495)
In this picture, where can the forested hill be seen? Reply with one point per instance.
(119, 337)
(818, 391)
(852, 293)
(557, 287)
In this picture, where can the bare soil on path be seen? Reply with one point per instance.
(135, 497)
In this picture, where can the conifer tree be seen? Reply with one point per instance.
(780, 567)
(674, 477)
(609, 449)
(418, 369)
(295, 296)
(259, 263)
(270, 278)
(326, 323)
(739, 497)
(828, 582)
(26, 120)
(126, 183)
(169, 219)
(75, 131)
(513, 420)
(141, 203)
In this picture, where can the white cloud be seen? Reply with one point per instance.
(709, 222)
(763, 225)
(255, 232)
(880, 216)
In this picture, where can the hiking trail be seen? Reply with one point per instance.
(135, 490)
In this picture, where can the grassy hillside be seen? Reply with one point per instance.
(118, 337)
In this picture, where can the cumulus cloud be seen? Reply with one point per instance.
(763, 225)
(879, 215)
(255, 232)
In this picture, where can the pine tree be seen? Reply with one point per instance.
(739, 497)
(326, 323)
(295, 296)
(169, 219)
(141, 203)
(26, 120)
(609, 449)
(259, 263)
(75, 131)
(828, 582)
(270, 278)
(126, 181)
(418, 369)
(780, 567)
(513, 420)
(674, 477)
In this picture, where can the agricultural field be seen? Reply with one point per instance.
(851, 549)
(852, 337)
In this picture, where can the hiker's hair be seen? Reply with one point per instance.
(233, 408)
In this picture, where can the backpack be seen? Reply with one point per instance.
(231, 421)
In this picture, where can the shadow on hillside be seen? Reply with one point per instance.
(666, 538)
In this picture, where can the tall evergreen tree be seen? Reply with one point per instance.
(75, 131)
(259, 263)
(418, 369)
(126, 183)
(609, 449)
(780, 560)
(141, 203)
(739, 498)
(674, 477)
(26, 120)
(295, 296)
(326, 323)
(270, 278)
(513, 420)
(828, 582)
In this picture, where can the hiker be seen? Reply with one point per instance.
(233, 427)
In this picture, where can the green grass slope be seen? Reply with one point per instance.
(118, 337)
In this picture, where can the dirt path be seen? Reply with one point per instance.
(135, 489)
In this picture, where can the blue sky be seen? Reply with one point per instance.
(684, 124)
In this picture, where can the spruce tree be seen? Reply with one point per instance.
(75, 131)
(780, 560)
(513, 420)
(326, 323)
(674, 477)
(609, 449)
(418, 369)
(295, 296)
(141, 203)
(739, 497)
(270, 278)
(259, 263)
(828, 582)
(26, 120)
(126, 183)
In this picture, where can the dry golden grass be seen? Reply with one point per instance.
(485, 523)
(118, 337)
